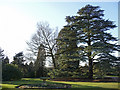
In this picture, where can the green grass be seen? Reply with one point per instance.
(8, 86)
(111, 76)
(92, 84)
(77, 85)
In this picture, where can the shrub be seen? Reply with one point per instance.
(56, 73)
(11, 72)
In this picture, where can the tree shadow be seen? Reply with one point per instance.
(84, 87)
(74, 86)
(30, 81)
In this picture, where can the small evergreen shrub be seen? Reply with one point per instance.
(11, 72)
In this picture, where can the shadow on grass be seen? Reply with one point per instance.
(38, 81)
(86, 88)
(83, 87)
(24, 81)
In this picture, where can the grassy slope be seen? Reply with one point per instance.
(97, 85)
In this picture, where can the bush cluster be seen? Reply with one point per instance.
(11, 72)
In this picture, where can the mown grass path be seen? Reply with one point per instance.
(77, 85)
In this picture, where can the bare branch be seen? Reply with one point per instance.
(46, 36)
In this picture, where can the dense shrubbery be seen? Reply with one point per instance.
(78, 73)
(11, 72)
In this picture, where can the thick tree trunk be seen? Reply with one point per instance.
(53, 59)
(90, 69)
(90, 60)
(54, 63)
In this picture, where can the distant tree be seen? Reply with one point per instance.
(31, 70)
(91, 35)
(40, 62)
(5, 60)
(31, 64)
(19, 59)
(46, 36)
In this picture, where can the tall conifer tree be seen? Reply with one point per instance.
(68, 56)
(91, 35)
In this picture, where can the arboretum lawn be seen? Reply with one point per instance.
(77, 85)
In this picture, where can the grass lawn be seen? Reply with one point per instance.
(77, 85)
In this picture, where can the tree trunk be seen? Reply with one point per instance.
(90, 60)
(90, 69)
(53, 58)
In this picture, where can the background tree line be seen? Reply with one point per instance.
(84, 38)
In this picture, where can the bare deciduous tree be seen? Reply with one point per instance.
(46, 36)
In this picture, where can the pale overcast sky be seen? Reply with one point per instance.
(18, 19)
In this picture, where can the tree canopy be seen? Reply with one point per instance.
(87, 33)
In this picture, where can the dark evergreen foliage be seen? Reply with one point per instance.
(5, 60)
(86, 36)
(19, 59)
(11, 72)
